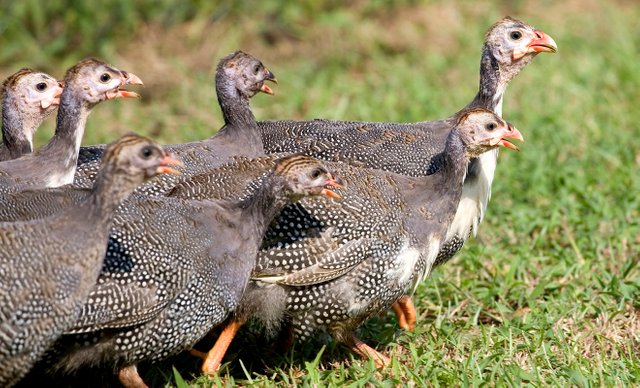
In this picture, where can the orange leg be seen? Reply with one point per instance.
(405, 312)
(366, 351)
(130, 378)
(213, 359)
(198, 354)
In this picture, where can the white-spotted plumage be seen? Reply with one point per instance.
(51, 261)
(412, 148)
(331, 265)
(177, 267)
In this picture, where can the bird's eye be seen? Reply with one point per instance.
(515, 35)
(256, 69)
(316, 173)
(491, 126)
(146, 152)
(41, 87)
(105, 77)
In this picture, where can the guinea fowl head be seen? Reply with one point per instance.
(248, 73)
(514, 44)
(138, 158)
(95, 81)
(306, 176)
(482, 130)
(32, 93)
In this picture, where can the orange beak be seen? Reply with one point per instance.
(165, 165)
(511, 133)
(132, 79)
(125, 94)
(268, 77)
(335, 181)
(129, 79)
(542, 43)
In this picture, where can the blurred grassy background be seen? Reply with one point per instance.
(548, 294)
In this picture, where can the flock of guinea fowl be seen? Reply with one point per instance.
(132, 252)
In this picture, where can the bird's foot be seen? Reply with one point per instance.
(129, 378)
(366, 351)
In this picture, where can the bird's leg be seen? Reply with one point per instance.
(366, 351)
(213, 358)
(405, 312)
(129, 377)
(402, 319)
(198, 354)
(202, 355)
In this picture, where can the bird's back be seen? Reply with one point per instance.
(404, 148)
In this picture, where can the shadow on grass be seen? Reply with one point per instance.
(254, 354)
(251, 354)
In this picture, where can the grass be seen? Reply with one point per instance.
(548, 294)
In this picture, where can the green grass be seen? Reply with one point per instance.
(548, 294)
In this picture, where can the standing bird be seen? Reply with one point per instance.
(28, 97)
(176, 268)
(239, 77)
(86, 84)
(51, 264)
(413, 149)
(354, 260)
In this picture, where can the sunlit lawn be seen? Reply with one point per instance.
(549, 292)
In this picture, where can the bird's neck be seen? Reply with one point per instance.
(14, 137)
(237, 111)
(456, 161)
(263, 204)
(240, 125)
(448, 179)
(492, 84)
(109, 190)
(17, 131)
(70, 125)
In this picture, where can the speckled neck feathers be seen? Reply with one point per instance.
(70, 125)
(455, 164)
(263, 204)
(14, 141)
(110, 188)
(491, 88)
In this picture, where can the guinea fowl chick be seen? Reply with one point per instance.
(412, 148)
(166, 293)
(239, 77)
(51, 264)
(28, 97)
(359, 257)
(86, 84)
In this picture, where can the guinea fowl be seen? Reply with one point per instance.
(161, 290)
(86, 84)
(28, 97)
(412, 148)
(239, 76)
(51, 264)
(355, 259)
